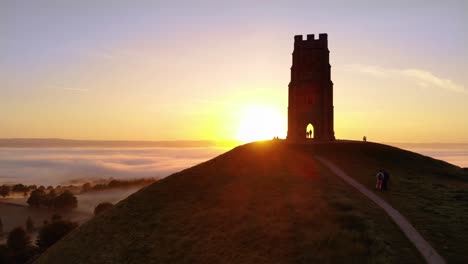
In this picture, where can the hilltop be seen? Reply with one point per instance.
(273, 202)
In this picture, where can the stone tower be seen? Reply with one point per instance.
(310, 91)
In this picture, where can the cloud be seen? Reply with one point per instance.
(62, 165)
(368, 69)
(421, 77)
(426, 78)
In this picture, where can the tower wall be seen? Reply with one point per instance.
(310, 99)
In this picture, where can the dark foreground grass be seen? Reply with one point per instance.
(432, 194)
(259, 203)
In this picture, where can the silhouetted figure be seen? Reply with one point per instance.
(386, 180)
(379, 177)
(364, 139)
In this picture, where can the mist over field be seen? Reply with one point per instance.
(74, 165)
(455, 153)
(54, 166)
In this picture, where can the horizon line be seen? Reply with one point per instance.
(199, 140)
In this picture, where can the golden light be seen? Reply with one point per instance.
(260, 123)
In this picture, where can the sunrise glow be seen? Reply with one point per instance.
(261, 123)
(141, 72)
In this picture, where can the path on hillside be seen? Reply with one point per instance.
(426, 250)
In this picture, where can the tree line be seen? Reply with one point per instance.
(25, 190)
(20, 249)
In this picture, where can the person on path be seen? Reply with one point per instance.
(380, 177)
(386, 180)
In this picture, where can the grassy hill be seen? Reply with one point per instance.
(272, 202)
(431, 193)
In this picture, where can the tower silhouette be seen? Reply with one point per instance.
(310, 91)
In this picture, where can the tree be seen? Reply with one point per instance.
(19, 188)
(49, 199)
(56, 217)
(36, 198)
(18, 248)
(99, 187)
(100, 208)
(29, 225)
(5, 190)
(86, 187)
(53, 232)
(5, 255)
(18, 239)
(66, 201)
(114, 184)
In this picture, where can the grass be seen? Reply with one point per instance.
(259, 203)
(431, 193)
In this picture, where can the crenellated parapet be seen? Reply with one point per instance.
(311, 42)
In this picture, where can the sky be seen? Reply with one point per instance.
(170, 70)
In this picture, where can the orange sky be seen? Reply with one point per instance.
(218, 70)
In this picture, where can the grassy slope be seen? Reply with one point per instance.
(431, 193)
(259, 203)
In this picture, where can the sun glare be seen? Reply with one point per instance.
(260, 123)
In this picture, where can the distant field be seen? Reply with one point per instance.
(260, 203)
(14, 212)
(15, 215)
(455, 153)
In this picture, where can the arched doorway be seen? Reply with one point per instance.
(310, 131)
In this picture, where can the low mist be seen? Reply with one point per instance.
(63, 166)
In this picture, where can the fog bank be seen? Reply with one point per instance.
(54, 166)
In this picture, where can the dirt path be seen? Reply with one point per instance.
(426, 250)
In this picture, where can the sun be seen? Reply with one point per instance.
(260, 123)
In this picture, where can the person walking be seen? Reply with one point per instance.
(380, 177)
(386, 180)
